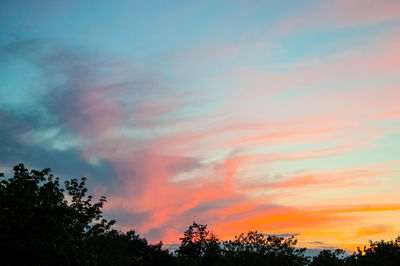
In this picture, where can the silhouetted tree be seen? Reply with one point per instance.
(255, 248)
(329, 258)
(116, 248)
(379, 253)
(198, 246)
(44, 224)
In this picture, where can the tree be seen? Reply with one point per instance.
(255, 248)
(329, 258)
(379, 253)
(116, 248)
(197, 241)
(42, 223)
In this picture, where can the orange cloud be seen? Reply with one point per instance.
(373, 230)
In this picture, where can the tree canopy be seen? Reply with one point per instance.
(255, 248)
(196, 241)
(45, 223)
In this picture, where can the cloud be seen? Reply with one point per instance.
(316, 242)
(334, 179)
(373, 230)
(67, 163)
(78, 129)
(282, 234)
(163, 164)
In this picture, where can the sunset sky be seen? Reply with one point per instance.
(281, 116)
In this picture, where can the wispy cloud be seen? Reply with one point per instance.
(240, 131)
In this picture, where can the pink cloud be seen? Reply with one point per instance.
(216, 154)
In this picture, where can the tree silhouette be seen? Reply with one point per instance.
(197, 240)
(379, 253)
(116, 248)
(38, 225)
(329, 258)
(255, 248)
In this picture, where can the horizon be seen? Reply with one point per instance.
(247, 115)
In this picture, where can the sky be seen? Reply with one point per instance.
(276, 116)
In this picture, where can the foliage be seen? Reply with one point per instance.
(329, 258)
(36, 219)
(255, 248)
(378, 253)
(198, 243)
(42, 223)
(116, 248)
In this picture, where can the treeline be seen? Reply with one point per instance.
(45, 223)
